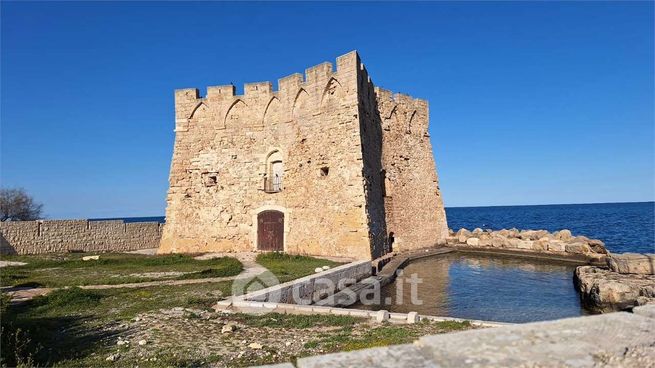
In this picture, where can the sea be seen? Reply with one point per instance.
(624, 227)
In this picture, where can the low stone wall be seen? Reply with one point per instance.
(559, 243)
(59, 236)
(309, 289)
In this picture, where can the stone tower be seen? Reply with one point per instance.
(326, 165)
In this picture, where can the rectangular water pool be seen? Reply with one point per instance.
(491, 288)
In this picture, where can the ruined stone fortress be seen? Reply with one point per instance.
(326, 165)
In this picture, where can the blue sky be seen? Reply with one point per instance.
(530, 103)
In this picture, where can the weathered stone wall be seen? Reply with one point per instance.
(413, 203)
(309, 289)
(326, 128)
(371, 136)
(220, 157)
(36, 237)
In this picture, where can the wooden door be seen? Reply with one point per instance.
(270, 231)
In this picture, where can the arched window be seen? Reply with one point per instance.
(274, 172)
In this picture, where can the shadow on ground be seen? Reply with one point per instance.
(31, 339)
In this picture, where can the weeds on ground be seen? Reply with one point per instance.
(68, 325)
(300, 321)
(288, 267)
(112, 268)
(383, 335)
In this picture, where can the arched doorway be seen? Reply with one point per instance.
(270, 231)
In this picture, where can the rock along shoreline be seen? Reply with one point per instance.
(613, 282)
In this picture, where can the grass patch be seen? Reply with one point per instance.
(277, 320)
(209, 273)
(112, 268)
(68, 325)
(71, 298)
(287, 267)
(383, 335)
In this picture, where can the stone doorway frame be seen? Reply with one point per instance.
(270, 207)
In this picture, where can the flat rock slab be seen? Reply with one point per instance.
(643, 264)
(406, 356)
(21, 294)
(571, 342)
(11, 263)
(609, 340)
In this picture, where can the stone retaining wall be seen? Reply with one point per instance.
(59, 236)
(309, 289)
(538, 241)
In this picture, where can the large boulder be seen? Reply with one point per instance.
(498, 241)
(564, 235)
(524, 244)
(474, 242)
(602, 290)
(540, 245)
(556, 246)
(642, 264)
(597, 246)
(485, 240)
(578, 248)
(462, 235)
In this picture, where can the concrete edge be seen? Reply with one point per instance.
(301, 280)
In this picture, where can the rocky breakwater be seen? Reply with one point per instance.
(627, 281)
(560, 243)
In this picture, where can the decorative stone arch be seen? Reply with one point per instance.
(202, 117)
(237, 104)
(273, 164)
(389, 120)
(300, 103)
(270, 207)
(409, 123)
(393, 111)
(332, 91)
(272, 103)
(270, 152)
(199, 109)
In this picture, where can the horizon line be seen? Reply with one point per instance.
(549, 204)
(485, 206)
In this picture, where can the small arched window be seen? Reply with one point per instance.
(274, 172)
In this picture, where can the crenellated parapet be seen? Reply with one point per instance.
(402, 114)
(297, 95)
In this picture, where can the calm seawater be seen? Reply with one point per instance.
(624, 227)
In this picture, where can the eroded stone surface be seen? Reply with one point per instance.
(568, 342)
(611, 340)
(637, 263)
(408, 356)
(605, 291)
